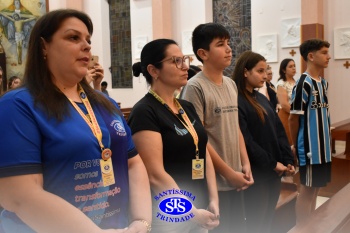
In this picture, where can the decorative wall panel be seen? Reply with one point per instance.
(120, 27)
(235, 15)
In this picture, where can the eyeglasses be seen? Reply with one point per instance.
(179, 61)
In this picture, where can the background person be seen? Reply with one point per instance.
(269, 90)
(167, 132)
(285, 86)
(61, 170)
(95, 75)
(14, 82)
(192, 71)
(267, 144)
(104, 85)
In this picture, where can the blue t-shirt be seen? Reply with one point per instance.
(309, 100)
(68, 155)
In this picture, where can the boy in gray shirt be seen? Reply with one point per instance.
(215, 99)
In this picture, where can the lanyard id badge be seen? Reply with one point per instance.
(106, 165)
(107, 172)
(197, 169)
(197, 163)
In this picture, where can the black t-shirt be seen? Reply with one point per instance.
(178, 145)
(272, 94)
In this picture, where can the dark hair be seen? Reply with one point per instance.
(37, 76)
(247, 61)
(104, 83)
(11, 79)
(312, 45)
(192, 71)
(151, 54)
(195, 68)
(204, 34)
(283, 68)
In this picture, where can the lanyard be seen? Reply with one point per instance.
(93, 124)
(188, 125)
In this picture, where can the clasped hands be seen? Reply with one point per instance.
(288, 170)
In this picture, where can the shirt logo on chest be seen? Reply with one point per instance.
(182, 132)
(118, 127)
(217, 110)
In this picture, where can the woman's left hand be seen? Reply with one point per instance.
(290, 170)
(214, 208)
(280, 169)
(137, 227)
(205, 219)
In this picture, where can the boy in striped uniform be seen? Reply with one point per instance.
(309, 123)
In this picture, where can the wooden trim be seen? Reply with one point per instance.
(310, 31)
(332, 216)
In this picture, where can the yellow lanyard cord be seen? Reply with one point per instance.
(187, 124)
(93, 124)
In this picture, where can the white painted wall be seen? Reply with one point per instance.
(141, 25)
(187, 14)
(100, 41)
(337, 16)
(266, 20)
(56, 4)
(186, 20)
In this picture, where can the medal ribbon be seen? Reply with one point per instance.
(95, 128)
(188, 125)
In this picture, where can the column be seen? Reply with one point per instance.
(312, 23)
(161, 19)
(76, 4)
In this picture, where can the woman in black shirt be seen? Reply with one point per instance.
(172, 142)
(267, 145)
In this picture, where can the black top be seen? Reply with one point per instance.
(271, 90)
(178, 145)
(267, 142)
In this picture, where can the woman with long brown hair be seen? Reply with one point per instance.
(267, 145)
(67, 161)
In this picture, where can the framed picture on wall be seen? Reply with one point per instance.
(186, 41)
(342, 43)
(267, 47)
(17, 18)
(140, 42)
(290, 33)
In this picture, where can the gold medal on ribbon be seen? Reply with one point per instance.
(106, 154)
(90, 119)
(107, 172)
(197, 169)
